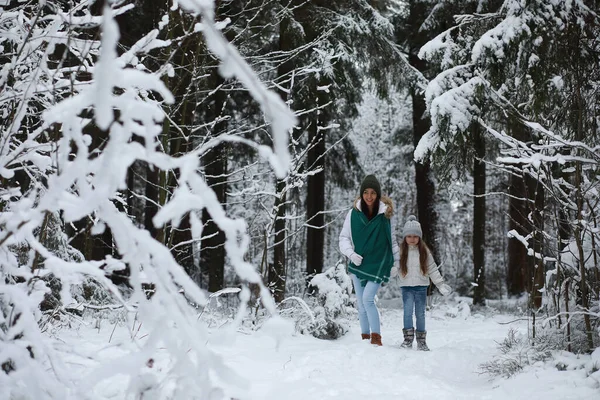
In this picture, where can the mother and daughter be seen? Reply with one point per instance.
(367, 239)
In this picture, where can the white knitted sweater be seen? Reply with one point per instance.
(414, 277)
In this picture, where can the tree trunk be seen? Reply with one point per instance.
(580, 230)
(315, 191)
(536, 192)
(180, 242)
(519, 263)
(212, 255)
(151, 207)
(132, 26)
(315, 204)
(424, 184)
(277, 271)
(277, 274)
(479, 218)
(516, 276)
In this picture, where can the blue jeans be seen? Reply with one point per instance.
(414, 299)
(368, 315)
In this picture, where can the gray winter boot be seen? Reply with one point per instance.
(409, 337)
(421, 344)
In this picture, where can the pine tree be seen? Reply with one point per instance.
(348, 41)
(536, 106)
(415, 24)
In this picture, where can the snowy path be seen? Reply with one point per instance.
(306, 368)
(348, 368)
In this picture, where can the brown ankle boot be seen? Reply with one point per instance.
(365, 336)
(376, 339)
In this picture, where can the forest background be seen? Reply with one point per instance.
(156, 156)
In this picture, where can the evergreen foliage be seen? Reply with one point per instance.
(155, 156)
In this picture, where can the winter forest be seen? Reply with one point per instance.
(174, 176)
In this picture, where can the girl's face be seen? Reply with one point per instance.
(369, 196)
(412, 240)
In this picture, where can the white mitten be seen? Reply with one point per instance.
(356, 259)
(444, 289)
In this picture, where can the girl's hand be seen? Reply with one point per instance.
(444, 289)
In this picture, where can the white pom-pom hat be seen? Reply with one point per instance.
(412, 227)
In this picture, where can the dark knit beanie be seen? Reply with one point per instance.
(370, 182)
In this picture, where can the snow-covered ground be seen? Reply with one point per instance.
(302, 367)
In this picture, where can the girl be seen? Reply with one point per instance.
(366, 239)
(416, 267)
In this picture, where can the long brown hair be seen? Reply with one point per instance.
(389, 211)
(423, 256)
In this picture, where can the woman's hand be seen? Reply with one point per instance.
(356, 259)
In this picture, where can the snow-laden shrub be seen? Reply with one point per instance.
(577, 335)
(568, 317)
(517, 352)
(325, 313)
(331, 303)
(546, 340)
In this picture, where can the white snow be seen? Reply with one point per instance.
(273, 363)
(83, 186)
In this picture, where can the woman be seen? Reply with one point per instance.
(367, 240)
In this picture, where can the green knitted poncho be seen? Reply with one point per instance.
(373, 241)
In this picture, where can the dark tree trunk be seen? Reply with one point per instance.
(212, 255)
(182, 248)
(179, 142)
(131, 188)
(423, 180)
(581, 131)
(526, 272)
(180, 242)
(304, 13)
(151, 207)
(94, 247)
(520, 264)
(479, 210)
(518, 260)
(213, 243)
(133, 24)
(315, 192)
(421, 124)
(536, 276)
(277, 273)
(140, 20)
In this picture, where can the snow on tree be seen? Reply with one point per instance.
(505, 71)
(126, 100)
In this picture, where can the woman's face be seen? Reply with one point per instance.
(412, 240)
(369, 196)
